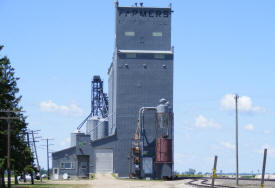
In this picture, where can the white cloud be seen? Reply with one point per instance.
(72, 109)
(244, 104)
(266, 131)
(65, 142)
(203, 122)
(270, 150)
(249, 127)
(228, 145)
(53, 78)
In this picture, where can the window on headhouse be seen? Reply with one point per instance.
(129, 33)
(159, 56)
(131, 55)
(157, 34)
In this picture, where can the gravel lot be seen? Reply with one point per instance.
(107, 180)
(247, 183)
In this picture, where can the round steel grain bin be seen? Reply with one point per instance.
(164, 150)
(102, 128)
(91, 127)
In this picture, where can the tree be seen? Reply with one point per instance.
(191, 171)
(21, 156)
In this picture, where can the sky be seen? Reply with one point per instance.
(222, 47)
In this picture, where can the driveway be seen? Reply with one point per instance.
(107, 180)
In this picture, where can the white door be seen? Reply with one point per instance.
(55, 173)
(104, 160)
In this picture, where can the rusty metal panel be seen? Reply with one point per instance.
(164, 150)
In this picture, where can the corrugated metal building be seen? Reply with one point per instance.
(140, 75)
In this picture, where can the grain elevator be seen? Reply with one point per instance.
(135, 134)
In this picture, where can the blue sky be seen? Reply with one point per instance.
(221, 47)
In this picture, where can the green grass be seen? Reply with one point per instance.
(187, 175)
(92, 176)
(115, 175)
(133, 179)
(49, 185)
(6, 175)
(248, 177)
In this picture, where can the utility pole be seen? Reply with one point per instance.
(263, 172)
(214, 171)
(9, 152)
(28, 139)
(48, 159)
(237, 140)
(8, 118)
(48, 164)
(36, 156)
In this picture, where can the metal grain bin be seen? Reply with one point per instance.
(102, 128)
(164, 150)
(91, 127)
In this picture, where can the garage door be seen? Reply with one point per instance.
(104, 160)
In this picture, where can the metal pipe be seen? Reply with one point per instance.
(141, 128)
(141, 113)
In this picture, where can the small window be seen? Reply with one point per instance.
(67, 165)
(159, 56)
(129, 33)
(131, 55)
(157, 34)
(83, 165)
